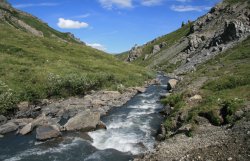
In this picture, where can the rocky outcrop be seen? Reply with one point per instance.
(8, 127)
(84, 121)
(156, 49)
(46, 132)
(134, 53)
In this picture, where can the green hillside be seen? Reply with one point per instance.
(34, 67)
(225, 91)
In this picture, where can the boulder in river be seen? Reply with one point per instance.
(8, 127)
(140, 89)
(26, 129)
(85, 121)
(46, 132)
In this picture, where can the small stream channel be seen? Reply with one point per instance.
(131, 130)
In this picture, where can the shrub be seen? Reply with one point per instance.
(229, 107)
(7, 98)
(174, 100)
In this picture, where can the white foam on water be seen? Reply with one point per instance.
(37, 151)
(119, 134)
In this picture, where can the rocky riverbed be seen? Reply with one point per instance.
(51, 117)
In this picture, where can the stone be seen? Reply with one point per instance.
(1, 136)
(239, 114)
(26, 129)
(8, 127)
(172, 83)
(201, 120)
(230, 158)
(21, 122)
(140, 89)
(184, 129)
(101, 125)
(164, 95)
(23, 106)
(3, 120)
(46, 132)
(196, 98)
(156, 49)
(85, 121)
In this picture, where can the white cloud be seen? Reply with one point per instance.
(82, 16)
(70, 24)
(97, 46)
(151, 2)
(187, 8)
(109, 4)
(35, 5)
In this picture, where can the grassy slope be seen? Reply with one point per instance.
(170, 39)
(33, 67)
(226, 91)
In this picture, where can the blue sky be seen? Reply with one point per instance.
(115, 25)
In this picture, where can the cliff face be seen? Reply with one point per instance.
(179, 52)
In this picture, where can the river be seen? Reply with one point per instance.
(131, 130)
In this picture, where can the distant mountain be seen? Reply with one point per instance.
(37, 61)
(182, 51)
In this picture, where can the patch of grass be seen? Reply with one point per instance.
(35, 68)
(169, 39)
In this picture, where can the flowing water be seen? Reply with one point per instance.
(131, 130)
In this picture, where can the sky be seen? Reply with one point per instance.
(115, 26)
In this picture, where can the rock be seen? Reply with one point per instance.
(165, 95)
(1, 136)
(156, 49)
(134, 53)
(101, 125)
(46, 132)
(196, 98)
(201, 120)
(23, 106)
(21, 122)
(230, 158)
(26, 129)
(161, 134)
(233, 30)
(3, 120)
(84, 121)
(239, 114)
(8, 127)
(140, 89)
(172, 83)
(184, 129)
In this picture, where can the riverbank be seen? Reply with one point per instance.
(51, 117)
(208, 113)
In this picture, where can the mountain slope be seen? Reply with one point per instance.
(37, 61)
(182, 51)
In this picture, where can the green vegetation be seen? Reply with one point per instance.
(169, 39)
(226, 91)
(34, 67)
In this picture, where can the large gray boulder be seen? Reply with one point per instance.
(85, 121)
(8, 127)
(46, 132)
